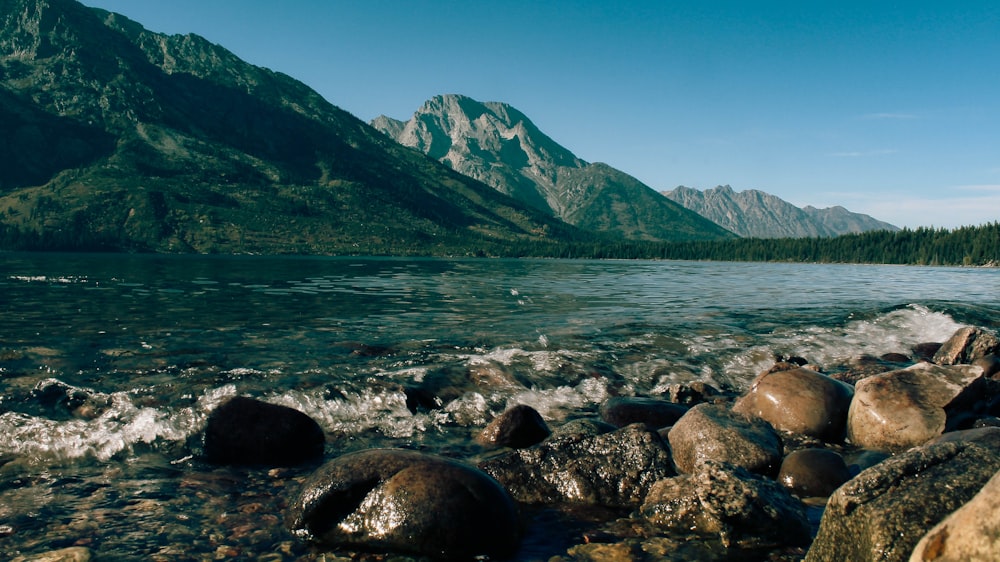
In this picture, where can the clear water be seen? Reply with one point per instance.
(109, 365)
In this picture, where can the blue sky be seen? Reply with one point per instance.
(887, 108)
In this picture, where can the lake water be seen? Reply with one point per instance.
(110, 365)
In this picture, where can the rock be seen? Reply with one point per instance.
(407, 501)
(612, 469)
(626, 410)
(245, 430)
(967, 345)
(990, 365)
(518, 427)
(693, 393)
(970, 533)
(743, 509)
(900, 409)
(985, 436)
(799, 401)
(71, 554)
(813, 472)
(925, 351)
(714, 432)
(882, 513)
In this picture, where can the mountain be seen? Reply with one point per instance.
(497, 144)
(114, 137)
(756, 214)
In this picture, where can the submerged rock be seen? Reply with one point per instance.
(612, 469)
(799, 401)
(882, 513)
(655, 413)
(714, 432)
(900, 409)
(407, 501)
(743, 509)
(519, 427)
(245, 430)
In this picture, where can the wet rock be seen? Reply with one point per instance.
(519, 427)
(901, 409)
(990, 365)
(693, 393)
(581, 428)
(882, 513)
(799, 401)
(626, 410)
(714, 432)
(925, 351)
(967, 345)
(407, 501)
(970, 533)
(862, 367)
(813, 472)
(245, 430)
(71, 554)
(985, 436)
(612, 469)
(743, 509)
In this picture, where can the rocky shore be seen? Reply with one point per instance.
(887, 458)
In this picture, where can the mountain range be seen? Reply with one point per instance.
(497, 144)
(752, 213)
(114, 137)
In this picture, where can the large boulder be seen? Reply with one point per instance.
(967, 345)
(407, 501)
(741, 508)
(612, 469)
(970, 533)
(900, 409)
(799, 401)
(715, 432)
(245, 430)
(881, 513)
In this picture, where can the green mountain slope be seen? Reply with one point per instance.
(119, 138)
(499, 145)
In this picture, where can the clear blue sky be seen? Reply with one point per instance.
(887, 108)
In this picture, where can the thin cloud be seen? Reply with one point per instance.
(980, 187)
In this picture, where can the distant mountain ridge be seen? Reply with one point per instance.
(753, 213)
(115, 137)
(497, 144)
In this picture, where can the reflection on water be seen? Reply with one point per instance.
(111, 363)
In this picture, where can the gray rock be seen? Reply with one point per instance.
(882, 513)
(714, 432)
(407, 501)
(901, 409)
(611, 469)
(970, 533)
(967, 345)
(743, 509)
(799, 401)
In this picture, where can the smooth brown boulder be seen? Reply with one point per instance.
(901, 409)
(967, 345)
(799, 401)
(880, 514)
(407, 501)
(972, 533)
(715, 432)
(741, 508)
(248, 431)
(518, 427)
(813, 472)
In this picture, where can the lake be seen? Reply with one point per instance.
(110, 365)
